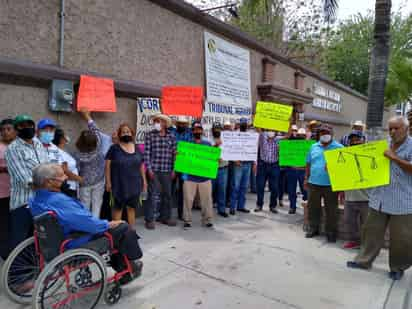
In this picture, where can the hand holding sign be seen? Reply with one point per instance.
(272, 116)
(182, 100)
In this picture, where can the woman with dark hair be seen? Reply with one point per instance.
(69, 164)
(125, 175)
(92, 146)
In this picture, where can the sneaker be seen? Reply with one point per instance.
(232, 212)
(396, 275)
(209, 225)
(223, 214)
(244, 210)
(258, 209)
(187, 225)
(168, 222)
(150, 225)
(351, 245)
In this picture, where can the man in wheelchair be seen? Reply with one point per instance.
(78, 223)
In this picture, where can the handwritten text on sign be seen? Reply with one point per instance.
(197, 160)
(358, 167)
(146, 108)
(96, 94)
(272, 116)
(293, 152)
(239, 146)
(182, 100)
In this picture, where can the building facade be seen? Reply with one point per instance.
(144, 45)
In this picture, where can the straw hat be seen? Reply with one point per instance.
(302, 131)
(358, 123)
(163, 117)
(182, 119)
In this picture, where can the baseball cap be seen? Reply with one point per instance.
(46, 122)
(22, 118)
(243, 120)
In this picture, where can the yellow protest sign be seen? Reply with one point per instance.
(272, 116)
(358, 167)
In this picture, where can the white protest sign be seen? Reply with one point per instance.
(146, 108)
(239, 146)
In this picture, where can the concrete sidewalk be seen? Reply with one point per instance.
(251, 261)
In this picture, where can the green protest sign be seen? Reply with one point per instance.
(197, 160)
(294, 152)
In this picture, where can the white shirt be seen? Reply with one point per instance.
(71, 165)
(53, 153)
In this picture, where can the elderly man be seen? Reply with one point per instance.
(391, 206)
(318, 183)
(22, 155)
(48, 181)
(159, 157)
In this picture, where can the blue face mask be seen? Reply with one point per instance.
(46, 137)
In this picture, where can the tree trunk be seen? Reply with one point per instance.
(379, 66)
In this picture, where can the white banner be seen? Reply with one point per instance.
(239, 146)
(227, 73)
(146, 108)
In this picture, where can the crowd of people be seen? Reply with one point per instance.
(110, 176)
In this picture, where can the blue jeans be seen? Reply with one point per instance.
(265, 172)
(240, 182)
(160, 188)
(295, 176)
(219, 189)
(252, 182)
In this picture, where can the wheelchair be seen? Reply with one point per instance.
(43, 271)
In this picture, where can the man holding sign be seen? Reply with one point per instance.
(193, 184)
(391, 206)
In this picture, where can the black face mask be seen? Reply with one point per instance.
(65, 188)
(197, 135)
(126, 139)
(26, 133)
(216, 134)
(243, 127)
(180, 129)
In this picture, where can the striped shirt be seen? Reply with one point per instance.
(395, 198)
(21, 158)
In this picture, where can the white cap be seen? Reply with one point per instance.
(302, 131)
(227, 123)
(358, 123)
(182, 119)
(294, 127)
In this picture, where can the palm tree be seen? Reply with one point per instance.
(378, 70)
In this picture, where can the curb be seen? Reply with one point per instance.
(399, 295)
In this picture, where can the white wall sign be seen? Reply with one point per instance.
(146, 108)
(326, 99)
(227, 77)
(239, 146)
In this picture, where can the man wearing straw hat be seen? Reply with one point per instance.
(357, 126)
(159, 157)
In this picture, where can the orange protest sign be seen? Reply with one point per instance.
(96, 94)
(182, 100)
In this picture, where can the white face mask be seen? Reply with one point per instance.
(324, 139)
(157, 126)
(271, 134)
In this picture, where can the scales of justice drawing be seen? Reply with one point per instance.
(356, 156)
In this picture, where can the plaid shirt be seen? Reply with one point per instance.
(395, 198)
(268, 149)
(21, 158)
(159, 151)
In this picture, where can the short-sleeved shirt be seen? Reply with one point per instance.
(72, 166)
(395, 198)
(318, 174)
(125, 173)
(53, 153)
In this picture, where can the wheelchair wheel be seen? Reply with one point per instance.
(75, 279)
(113, 293)
(20, 272)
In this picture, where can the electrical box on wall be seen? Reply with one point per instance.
(61, 96)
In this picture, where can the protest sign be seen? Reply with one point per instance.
(197, 160)
(182, 100)
(358, 167)
(239, 146)
(272, 116)
(96, 94)
(294, 152)
(146, 108)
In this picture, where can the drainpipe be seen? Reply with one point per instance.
(61, 49)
